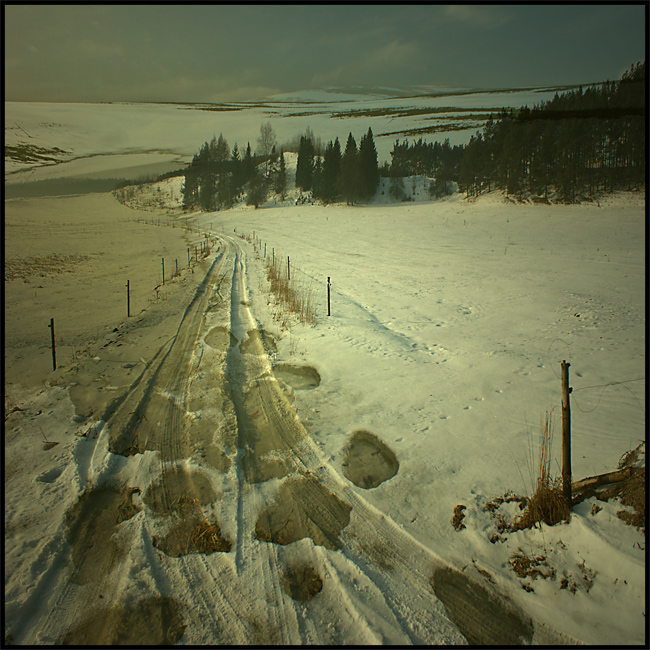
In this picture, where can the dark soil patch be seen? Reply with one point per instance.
(483, 617)
(178, 492)
(304, 508)
(298, 377)
(632, 493)
(367, 461)
(151, 621)
(193, 535)
(92, 523)
(302, 583)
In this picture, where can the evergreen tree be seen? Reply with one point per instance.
(368, 168)
(305, 164)
(281, 179)
(257, 190)
(331, 171)
(349, 172)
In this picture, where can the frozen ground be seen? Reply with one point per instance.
(449, 321)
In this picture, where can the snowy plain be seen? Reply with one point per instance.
(449, 322)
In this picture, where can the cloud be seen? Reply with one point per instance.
(487, 16)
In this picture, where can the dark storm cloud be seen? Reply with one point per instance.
(213, 53)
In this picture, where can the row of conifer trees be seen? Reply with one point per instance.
(580, 143)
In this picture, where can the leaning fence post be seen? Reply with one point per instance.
(566, 436)
(51, 326)
(163, 269)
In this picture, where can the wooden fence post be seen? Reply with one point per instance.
(51, 326)
(163, 267)
(288, 270)
(328, 295)
(128, 299)
(566, 435)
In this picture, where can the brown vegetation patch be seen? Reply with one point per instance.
(546, 505)
(459, 515)
(25, 267)
(529, 567)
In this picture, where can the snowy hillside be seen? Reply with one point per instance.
(208, 469)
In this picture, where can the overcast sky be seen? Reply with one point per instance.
(217, 53)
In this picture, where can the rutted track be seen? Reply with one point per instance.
(287, 511)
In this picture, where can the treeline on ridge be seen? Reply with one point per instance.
(576, 145)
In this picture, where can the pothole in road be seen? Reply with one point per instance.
(258, 341)
(304, 508)
(92, 522)
(220, 338)
(481, 616)
(367, 461)
(302, 582)
(151, 621)
(298, 377)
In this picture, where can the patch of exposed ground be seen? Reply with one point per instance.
(298, 377)
(152, 621)
(220, 338)
(251, 344)
(367, 461)
(304, 508)
(92, 522)
(483, 617)
(302, 582)
(180, 494)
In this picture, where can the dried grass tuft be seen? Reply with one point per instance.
(547, 502)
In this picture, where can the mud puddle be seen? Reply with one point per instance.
(482, 617)
(92, 522)
(298, 377)
(220, 338)
(367, 461)
(258, 341)
(304, 508)
(151, 621)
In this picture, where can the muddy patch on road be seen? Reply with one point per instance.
(258, 341)
(482, 617)
(304, 508)
(193, 534)
(298, 377)
(220, 338)
(178, 490)
(180, 494)
(367, 461)
(302, 582)
(152, 621)
(92, 522)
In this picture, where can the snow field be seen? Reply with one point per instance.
(449, 321)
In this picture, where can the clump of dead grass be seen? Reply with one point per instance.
(292, 295)
(547, 502)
